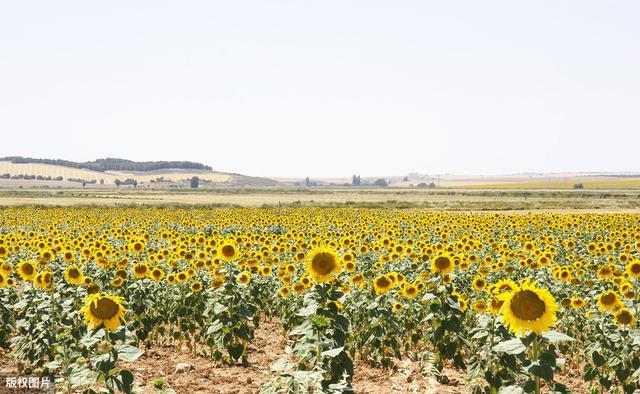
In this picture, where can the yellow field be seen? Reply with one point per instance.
(545, 302)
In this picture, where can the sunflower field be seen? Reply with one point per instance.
(512, 301)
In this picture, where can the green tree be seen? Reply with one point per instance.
(380, 182)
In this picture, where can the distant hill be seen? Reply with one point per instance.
(112, 164)
(28, 172)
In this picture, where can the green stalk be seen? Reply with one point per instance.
(535, 356)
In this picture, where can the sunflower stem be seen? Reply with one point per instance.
(535, 356)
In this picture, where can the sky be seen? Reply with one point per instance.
(325, 88)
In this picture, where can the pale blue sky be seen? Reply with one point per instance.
(325, 88)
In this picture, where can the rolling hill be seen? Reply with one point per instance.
(15, 172)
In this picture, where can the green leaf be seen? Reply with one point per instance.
(511, 346)
(90, 340)
(511, 390)
(308, 310)
(128, 353)
(332, 352)
(598, 359)
(555, 337)
(282, 364)
(127, 380)
(53, 365)
(84, 376)
(219, 308)
(303, 329)
(214, 327)
(545, 371)
(236, 350)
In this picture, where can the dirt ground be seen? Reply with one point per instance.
(269, 345)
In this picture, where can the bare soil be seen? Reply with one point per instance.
(269, 344)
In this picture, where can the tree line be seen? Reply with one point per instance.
(111, 164)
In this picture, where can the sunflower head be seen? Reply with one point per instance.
(409, 291)
(528, 308)
(196, 287)
(103, 310)
(442, 264)
(624, 318)
(73, 275)
(244, 277)
(382, 284)
(479, 283)
(608, 301)
(228, 251)
(633, 269)
(140, 270)
(284, 292)
(479, 306)
(323, 264)
(578, 302)
(156, 274)
(27, 271)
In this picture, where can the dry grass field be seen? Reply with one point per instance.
(7, 167)
(439, 199)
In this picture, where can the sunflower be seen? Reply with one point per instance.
(171, 278)
(44, 280)
(217, 282)
(93, 288)
(137, 246)
(68, 256)
(577, 302)
(140, 270)
(117, 282)
(479, 306)
(103, 309)
(503, 286)
(322, 264)
(266, 270)
(409, 291)
(479, 283)
(624, 318)
(3, 280)
(299, 288)
(633, 269)
(442, 264)
(382, 284)
(608, 300)
(156, 274)
(182, 276)
(284, 292)
(397, 307)
(196, 287)
(244, 277)
(73, 275)
(228, 251)
(6, 268)
(528, 308)
(27, 271)
(350, 266)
